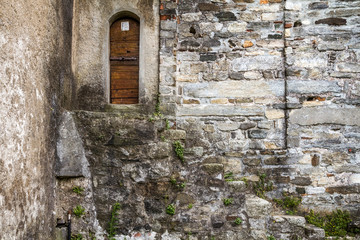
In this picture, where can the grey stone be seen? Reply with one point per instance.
(226, 16)
(257, 134)
(71, 161)
(208, 57)
(348, 67)
(257, 207)
(228, 126)
(314, 233)
(256, 63)
(174, 134)
(301, 181)
(342, 116)
(160, 150)
(237, 186)
(248, 125)
(212, 168)
(314, 87)
(332, 21)
(275, 160)
(235, 89)
(208, 7)
(213, 110)
(252, 161)
(318, 5)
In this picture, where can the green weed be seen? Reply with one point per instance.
(170, 209)
(113, 220)
(228, 201)
(77, 237)
(78, 190)
(179, 150)
(334, 224)
(289, 203)
(262, 186)
(78, 211)
(238, 221)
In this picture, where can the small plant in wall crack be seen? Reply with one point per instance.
(170, 209)
(77, 237)
(179, 150)
(78, 211)
(289, 203)
(262, 186)
(179, 185)
(228, 201)
(238, 221)
(78, 190)
(113, 220)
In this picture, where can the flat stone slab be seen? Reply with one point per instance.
(215, 110)
(313, 116)
(71, 161)
(235, 89)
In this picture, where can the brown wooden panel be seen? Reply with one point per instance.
(128, 76)
(124, 49)
(124, 84)
(124, 62)
(125, 93)
(125, 100)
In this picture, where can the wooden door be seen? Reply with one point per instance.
(124, 61)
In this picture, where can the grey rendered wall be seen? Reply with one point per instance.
(34, 52)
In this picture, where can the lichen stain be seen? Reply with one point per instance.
(146, 8)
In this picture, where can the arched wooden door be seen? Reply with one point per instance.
(124, 61)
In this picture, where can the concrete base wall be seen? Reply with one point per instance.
(34, 52)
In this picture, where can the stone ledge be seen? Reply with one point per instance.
(314, 116)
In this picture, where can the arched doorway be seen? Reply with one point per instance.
(124, 61)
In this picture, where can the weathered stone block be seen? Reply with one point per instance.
(218, 110)
(318, 5)
(257, 134)
(301, 181)
(257, 207)
(212, 168)
(228, 126)
(343, 116)
(252, 161)
(208, 7)
(160, 150)
(235, 89)
(237, 27)
(174, 134)
(314, 233)
(248, 125)
(226, 16)
(274, 114)
(348, 67)
(275, 160)
(71, 161)
(208, 57)
(332, 21)
(237, 186)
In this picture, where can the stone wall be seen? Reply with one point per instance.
(248, 87)
(34, 52)
(271, 86)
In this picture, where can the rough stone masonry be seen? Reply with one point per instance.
(248, 87)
